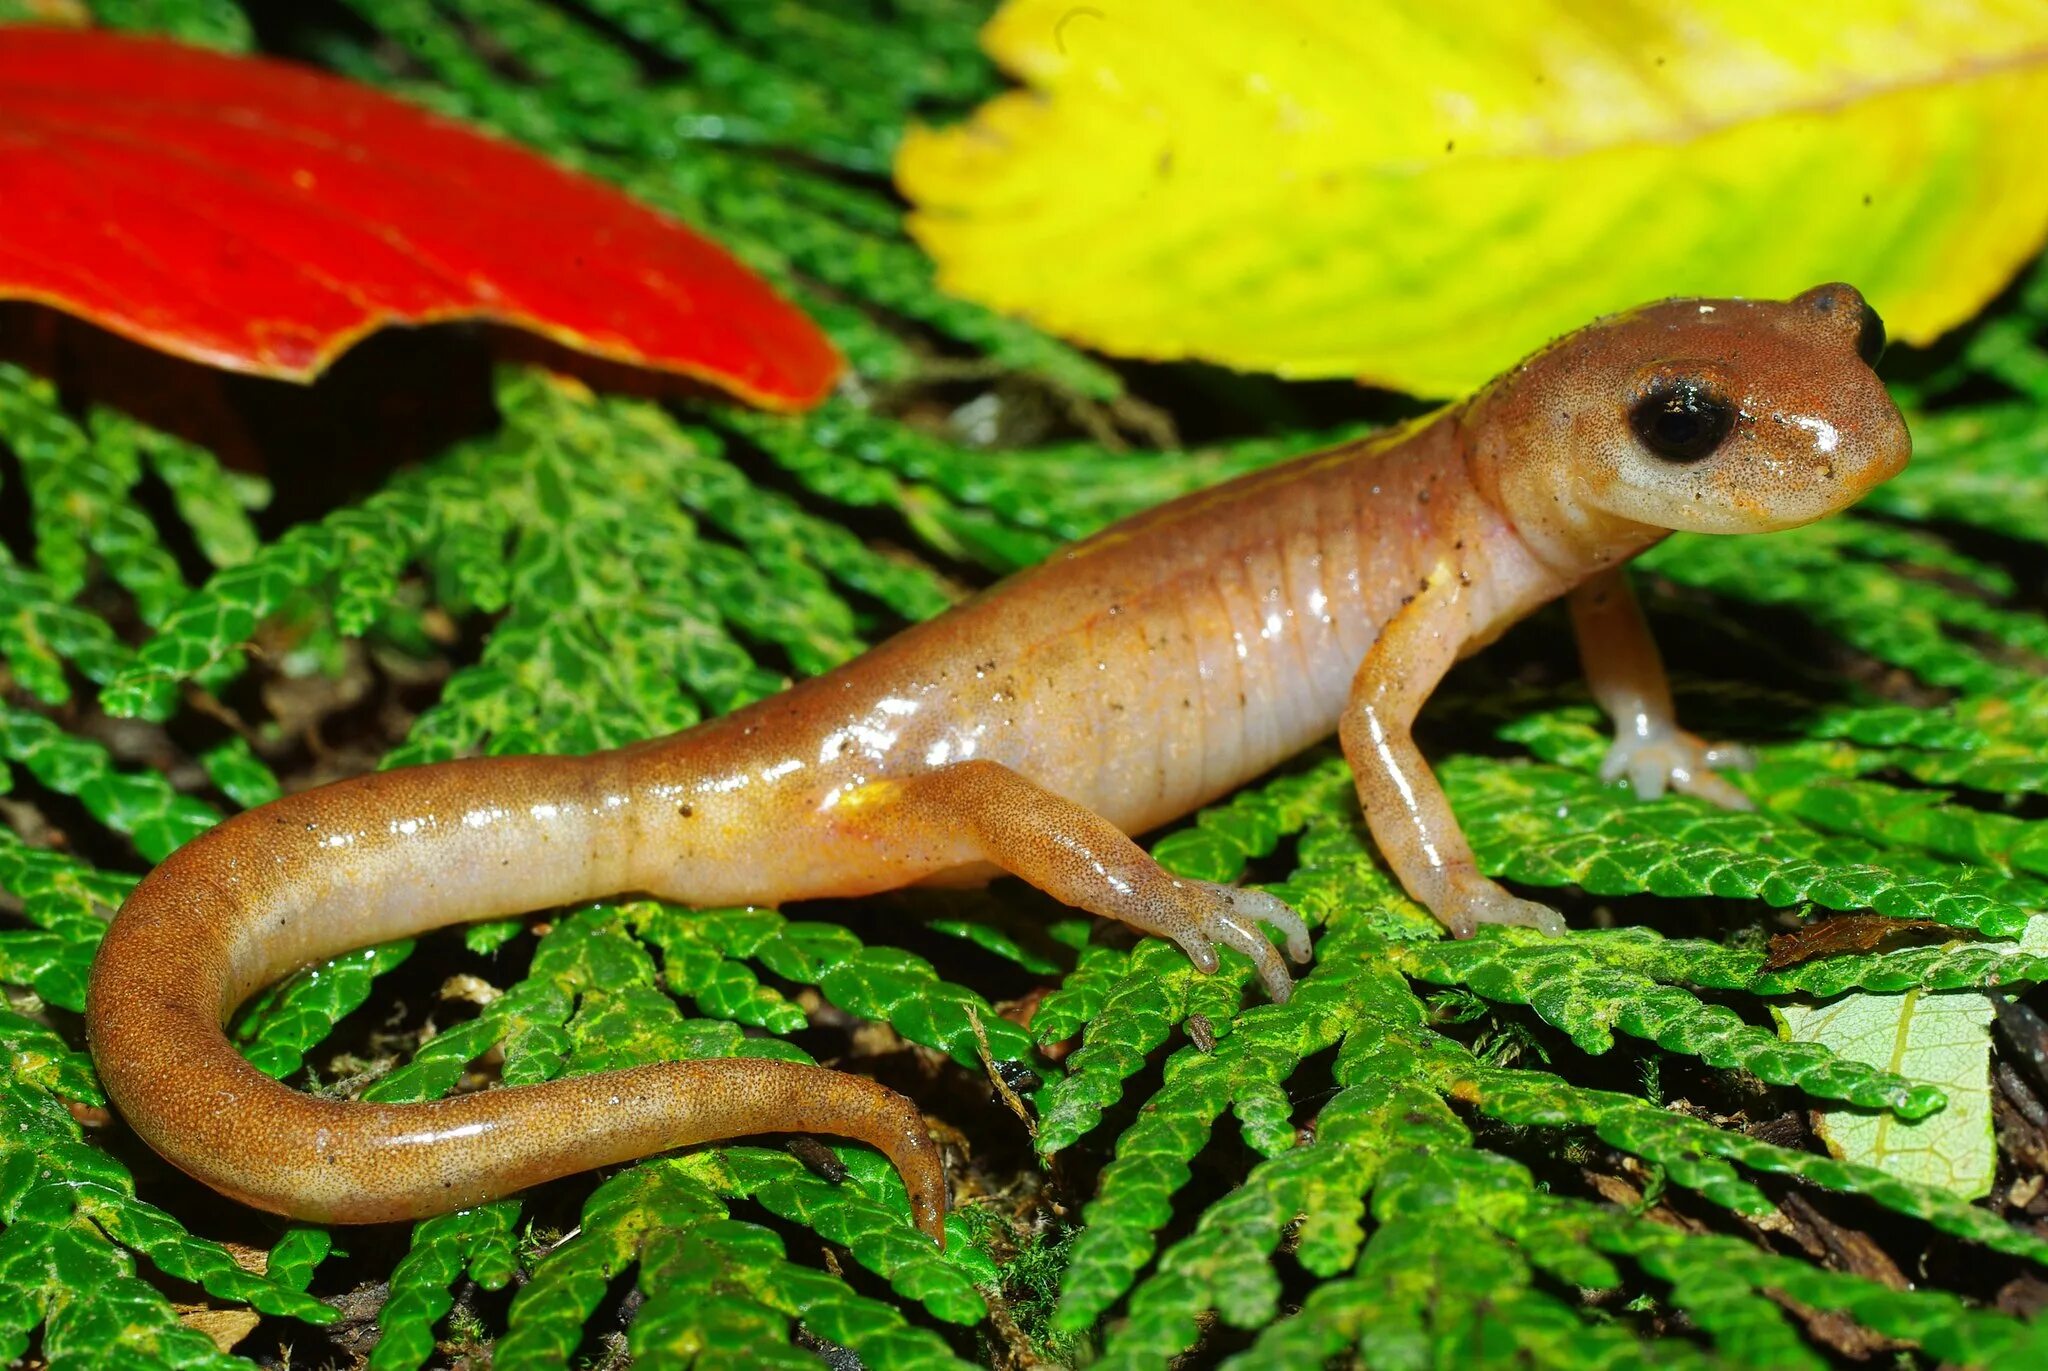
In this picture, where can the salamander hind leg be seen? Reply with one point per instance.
(982, 811)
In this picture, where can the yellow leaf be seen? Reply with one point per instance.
(1419, 192)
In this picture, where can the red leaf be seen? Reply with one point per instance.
(262, 217)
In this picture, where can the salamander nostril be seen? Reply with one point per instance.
(1828, 298)
(1870, 337)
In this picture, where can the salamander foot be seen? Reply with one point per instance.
(1474, 900)
(1234, 917)
(1678, 760)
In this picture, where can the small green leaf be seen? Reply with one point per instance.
(474, 1242)
(292, 1017)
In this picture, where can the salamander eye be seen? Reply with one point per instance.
(1870, 337)
(1681, 422)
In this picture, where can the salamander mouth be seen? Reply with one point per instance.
(1885, 461)
(1840, 490)
(1893, 460)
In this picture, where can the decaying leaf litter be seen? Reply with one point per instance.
(1506, 1151)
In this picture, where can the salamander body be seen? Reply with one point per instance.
(1124, 682)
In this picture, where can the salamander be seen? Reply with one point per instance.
(1122, 683)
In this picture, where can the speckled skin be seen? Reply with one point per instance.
(1126, 681)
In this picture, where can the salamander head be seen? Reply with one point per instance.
(1715, 416)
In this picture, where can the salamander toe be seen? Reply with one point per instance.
(1239, 919)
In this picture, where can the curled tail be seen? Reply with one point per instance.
(383, 857)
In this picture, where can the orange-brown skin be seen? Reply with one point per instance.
(1128, 680)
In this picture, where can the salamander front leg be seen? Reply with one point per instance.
(984, 812)
(1627, 678)
(1404, 806)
